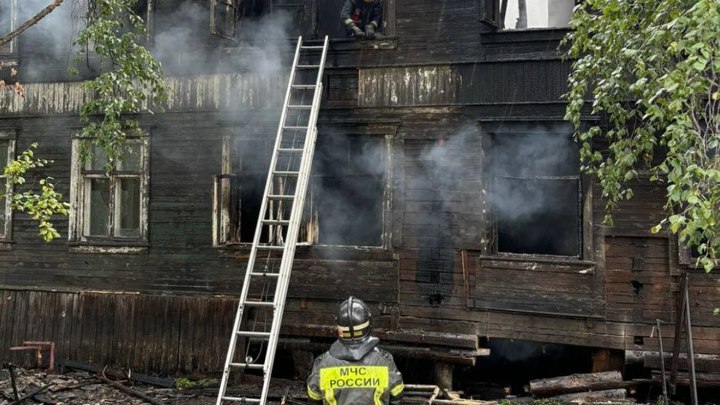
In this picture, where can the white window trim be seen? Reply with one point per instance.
(78, 203)
(6, 235)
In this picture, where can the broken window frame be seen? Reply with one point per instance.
(584, 194)
(312, 217)
(83, 173)
(230, 6)
(10, 48)
(6, 230)
(227, 224)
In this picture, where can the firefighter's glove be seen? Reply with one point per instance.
(357, 32)
(370, 31)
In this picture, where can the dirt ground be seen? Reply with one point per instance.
(84, 388)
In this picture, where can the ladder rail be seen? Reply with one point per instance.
(294, 227)
(258, 232)
(288, 244)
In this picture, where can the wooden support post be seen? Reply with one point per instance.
(444, 375)
(607, 360)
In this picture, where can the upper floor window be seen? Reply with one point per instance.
(7, 153)
(536, 190)
(110, 203)
(524, 14)
(8, 12)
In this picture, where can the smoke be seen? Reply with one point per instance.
(49, 41)
(184, 44)
(441, 177)
(534, 189)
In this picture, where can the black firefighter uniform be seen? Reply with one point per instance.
(355, 375)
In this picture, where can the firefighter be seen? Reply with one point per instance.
(355, 371)
(362, 18)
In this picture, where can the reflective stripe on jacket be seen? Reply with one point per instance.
(372, 380)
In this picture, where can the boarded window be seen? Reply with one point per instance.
(524, 14)
(111, 198)
(536, 192)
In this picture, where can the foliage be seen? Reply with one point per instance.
(130, 77)
(42, 205)
(652, 69)
(185, 383)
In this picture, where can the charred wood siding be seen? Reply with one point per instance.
(536, 287)
(513, 82)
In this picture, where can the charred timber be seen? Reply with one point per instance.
(460, 357)
(576, 383)
(704, 380)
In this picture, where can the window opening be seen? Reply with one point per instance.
(348, 189)
(8, 10)
(523, 14)
(537, 193)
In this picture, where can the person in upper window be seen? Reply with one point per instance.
(362, 18)
(355, 371)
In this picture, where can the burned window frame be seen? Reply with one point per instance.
(584, 199)
(492, 15)
(79, 204)
(227, 224)
(10, 137)
(312, 214)
(10, 49)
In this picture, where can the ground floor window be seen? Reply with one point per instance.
(7, 153)
(345, 201)
(110, 199)
(536, 190)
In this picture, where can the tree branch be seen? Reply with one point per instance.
(29, 23)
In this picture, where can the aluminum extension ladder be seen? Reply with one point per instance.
(262, 300)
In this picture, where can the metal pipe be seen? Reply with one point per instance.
(689, 342)
(662, 363)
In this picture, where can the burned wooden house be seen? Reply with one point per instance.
(445, 191)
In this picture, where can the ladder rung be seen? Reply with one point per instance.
(303, 86)
(242, 399)
(300, 106)
(270, 247)
(312, 47)
(276, 221)
(259, 303)
(294, 127)
(264, 274)
(308, 66)
(290, 150)
(285, 173)
(246, 365)
(281, 197)
(252, 334)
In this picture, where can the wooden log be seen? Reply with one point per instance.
(576, 383)
(592, 396)
(157, 381)
(703, 362)
(704, 380)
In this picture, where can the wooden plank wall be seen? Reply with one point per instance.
(144, 333)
